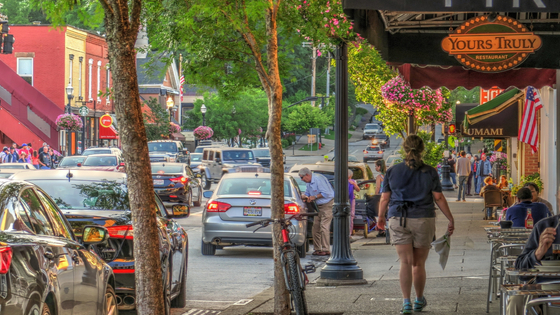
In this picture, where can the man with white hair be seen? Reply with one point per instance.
(319, 189)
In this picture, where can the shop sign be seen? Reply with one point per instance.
(106, 121)
(484, 132)
(488, 95)
(491, 46)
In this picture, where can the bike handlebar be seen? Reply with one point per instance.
(298, 216)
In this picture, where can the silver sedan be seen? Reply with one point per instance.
(242, 198)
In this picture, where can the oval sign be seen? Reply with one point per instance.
(491, 46)
(106, 121)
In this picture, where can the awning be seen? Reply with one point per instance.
(178, 136)
(452, 77)
(493, 107)
(108, 133)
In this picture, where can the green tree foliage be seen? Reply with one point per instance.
(305, 117)
(156, 120)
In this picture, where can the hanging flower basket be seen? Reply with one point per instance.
(174, 128)
(69, 122)
(203, 132)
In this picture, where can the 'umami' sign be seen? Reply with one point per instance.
(494, 46)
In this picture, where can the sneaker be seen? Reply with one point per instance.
(406, 308)
(420, 304)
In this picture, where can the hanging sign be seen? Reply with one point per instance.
(106, 121)
(491, 46)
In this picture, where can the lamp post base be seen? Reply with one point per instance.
(446, 183)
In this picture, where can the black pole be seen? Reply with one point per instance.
(446, 183)
(341, 268)
(411, 130)
(84, 133)
(203, 120)
(68, 133)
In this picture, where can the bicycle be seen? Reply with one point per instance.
(294, 275)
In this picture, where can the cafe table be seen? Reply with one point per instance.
(509, 290)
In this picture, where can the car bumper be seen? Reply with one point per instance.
(124, 283)
(171, 194)
(220, 232)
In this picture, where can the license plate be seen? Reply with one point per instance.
(158, 182)
(252, 211)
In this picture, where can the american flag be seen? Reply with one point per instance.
(528, 131)
(181, 82)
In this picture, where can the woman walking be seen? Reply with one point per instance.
(381, 169)
(409, 191)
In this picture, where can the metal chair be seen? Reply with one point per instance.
(549, 305)
(498, 266)
(492, 198)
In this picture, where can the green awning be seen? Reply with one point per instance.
(492, 107)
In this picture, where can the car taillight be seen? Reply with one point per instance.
(291, 208)
(254, 192)
(216, 206)
(5, 259)
(180, 179)
(365, 151)
(123, 270)
(380, 152)
(121, 231)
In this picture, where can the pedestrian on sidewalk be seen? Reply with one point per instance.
(319, 189)
(352, 186)
(476, 178)
(409, 191)
(451, 162)
(484, 169)
(381, 169)
(471, 176)
(463, 170)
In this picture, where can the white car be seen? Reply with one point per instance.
(373, 153)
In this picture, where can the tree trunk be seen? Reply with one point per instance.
(121, 36)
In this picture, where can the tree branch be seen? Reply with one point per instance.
(107, 7)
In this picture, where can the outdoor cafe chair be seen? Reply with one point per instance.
(549, 305)
(501, 257)
(492, 199)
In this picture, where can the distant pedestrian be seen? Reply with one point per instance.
(35, 160)
(484, 170)
(463, 171)
(352, 187)
(13, 157)
(45, 159)
(409, 191)
(381, 169)
(22, 158)
(4, 154)
(319, 189)
(452, 174)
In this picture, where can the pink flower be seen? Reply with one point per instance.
(335, 21)
(318, 53)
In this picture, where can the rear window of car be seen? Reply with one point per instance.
(101, 161)
(12, 166)
(90, 152)
(196, 157)
(373, 149)
(166, 169)
(249, 186)
(162, 147)
(70, 161)
(261, 153)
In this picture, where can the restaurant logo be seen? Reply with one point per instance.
(481, 132)
(491, 46)
(106, 121)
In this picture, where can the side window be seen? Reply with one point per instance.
(211, 155)
(161, 208)
(205, 155)
(60, 227)
(189, 171)
(23, 215)
(36, 213)
(218, 155)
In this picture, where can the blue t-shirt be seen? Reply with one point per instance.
(414, 187)
(518, 213)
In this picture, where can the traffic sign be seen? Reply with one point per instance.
(451, 140)
(106, 121)
(84, 111)
(452, 129)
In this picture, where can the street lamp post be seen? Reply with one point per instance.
(70, 95)
(203, 111)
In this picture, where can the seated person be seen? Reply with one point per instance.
(489, 182)
(518, 213)
(536, 198)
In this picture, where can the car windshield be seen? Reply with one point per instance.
(249, 187)
(166, 169)
(237, 155)
(71, 161)
(86, 195)
(261, 153)
(196, 157)
(90, 152)
(371, 126)
(101, 161)
(162, 147)
(12, 166)
(373, 149)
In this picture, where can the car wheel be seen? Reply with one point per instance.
(198, 202)
(205, 183)
(207, 249)
(181, 300)
(189, 199)
(110, 307)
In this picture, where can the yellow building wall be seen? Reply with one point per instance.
(75, 43)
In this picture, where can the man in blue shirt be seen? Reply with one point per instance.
(484, 169)
(518, 213)
(319, 189)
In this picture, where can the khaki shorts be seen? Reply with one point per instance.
(419, 232)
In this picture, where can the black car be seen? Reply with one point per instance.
(176, 182)
(382, 140)
(101, 199)
(263, 156)
(43, 267)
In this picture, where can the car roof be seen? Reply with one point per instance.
(78, 156)
(176, 141)
(322, 166)
(63, 175)
(104, 154)
(167, 163)
(249, 175)
(97, 149)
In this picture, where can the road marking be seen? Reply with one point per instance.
(209, 301)
(201, 312)
(243, 302)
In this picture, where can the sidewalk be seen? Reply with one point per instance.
(459, 289)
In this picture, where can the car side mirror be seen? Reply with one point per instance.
(207, 194)
(180, 211)
(94, 234)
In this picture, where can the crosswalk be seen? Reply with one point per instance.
(201, 312)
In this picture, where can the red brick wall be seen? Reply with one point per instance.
(48, 63)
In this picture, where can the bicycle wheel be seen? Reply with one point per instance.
(295, 278)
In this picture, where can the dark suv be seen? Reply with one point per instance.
(168, 151)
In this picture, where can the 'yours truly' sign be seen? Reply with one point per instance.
(491, 45)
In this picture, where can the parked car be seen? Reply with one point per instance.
(373, 153)
(7, 172)
(90, 151)
(168, 151)
(103, 162)
(196, 159)
(101, 199)
(218, 161)
(370, 130)
(71, 161)
(362, 171)
(351, 158)
(263, 156)
(176, 182)
(44, 267)
(382, 140)
(242, 198)
(27, 166)
(392, 160)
